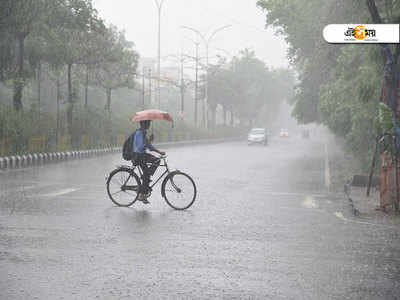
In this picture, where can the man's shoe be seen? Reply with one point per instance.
(143, 198)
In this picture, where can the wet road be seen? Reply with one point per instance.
(263, 227)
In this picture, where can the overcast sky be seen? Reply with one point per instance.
(139, 19)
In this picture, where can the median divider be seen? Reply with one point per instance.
(37, 159)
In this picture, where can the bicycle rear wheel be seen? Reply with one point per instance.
(179, 190)
(123, 187)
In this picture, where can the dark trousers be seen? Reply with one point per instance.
(149, 164)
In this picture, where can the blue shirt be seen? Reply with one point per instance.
(139, 143)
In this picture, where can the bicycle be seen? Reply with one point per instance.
(178, 189)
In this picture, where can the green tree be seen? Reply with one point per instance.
(119, 69)
(247, 88)
(77, 22)
(301, 23)
(338, 85)
(20, 19)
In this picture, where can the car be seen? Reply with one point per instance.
(284, 133)
(257, 135)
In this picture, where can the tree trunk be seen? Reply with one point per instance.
(58, 109)
(39, 80)
(70, 100)
(232, 118)
(87, 87)
(224, 108)
(391, 85)
(213, 111)
(19, 80)
(203, 112)
(107, 107)
(390, 69)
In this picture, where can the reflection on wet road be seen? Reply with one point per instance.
(263, 226)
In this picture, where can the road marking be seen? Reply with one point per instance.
(26, 188)
(310, 202)
(59, 193)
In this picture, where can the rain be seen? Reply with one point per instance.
(187, 149)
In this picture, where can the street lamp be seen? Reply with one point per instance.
(207, 42)
(159, 4)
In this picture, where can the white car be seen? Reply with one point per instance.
(257, 135)
(284, 133)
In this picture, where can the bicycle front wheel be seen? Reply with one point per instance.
(179, 190)
(123, 187)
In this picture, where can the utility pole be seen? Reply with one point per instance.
(182, 89)
(39, 75)
(143, 89)
(87, 86)
(150, 87)
(159, 7)
(207, 42)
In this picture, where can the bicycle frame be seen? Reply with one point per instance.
(167, 189)
(165, 165)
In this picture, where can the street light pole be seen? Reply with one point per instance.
(196, 85)
(159, 4)
(149, 86)
(207, 42)
(206, 89)
(182, 88)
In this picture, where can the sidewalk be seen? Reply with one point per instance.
(361, 204)
(368, 207)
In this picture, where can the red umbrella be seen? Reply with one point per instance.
(151, 114)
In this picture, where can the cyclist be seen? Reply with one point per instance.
(140, 144)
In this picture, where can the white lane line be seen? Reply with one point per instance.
(59, 193)
(40, 184)
(310, 202)
(19, 189)
(343, 218)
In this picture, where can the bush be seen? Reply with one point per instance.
(24, 132)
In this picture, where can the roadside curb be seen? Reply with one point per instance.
(37, 159)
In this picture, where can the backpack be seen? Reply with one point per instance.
(127, 148)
